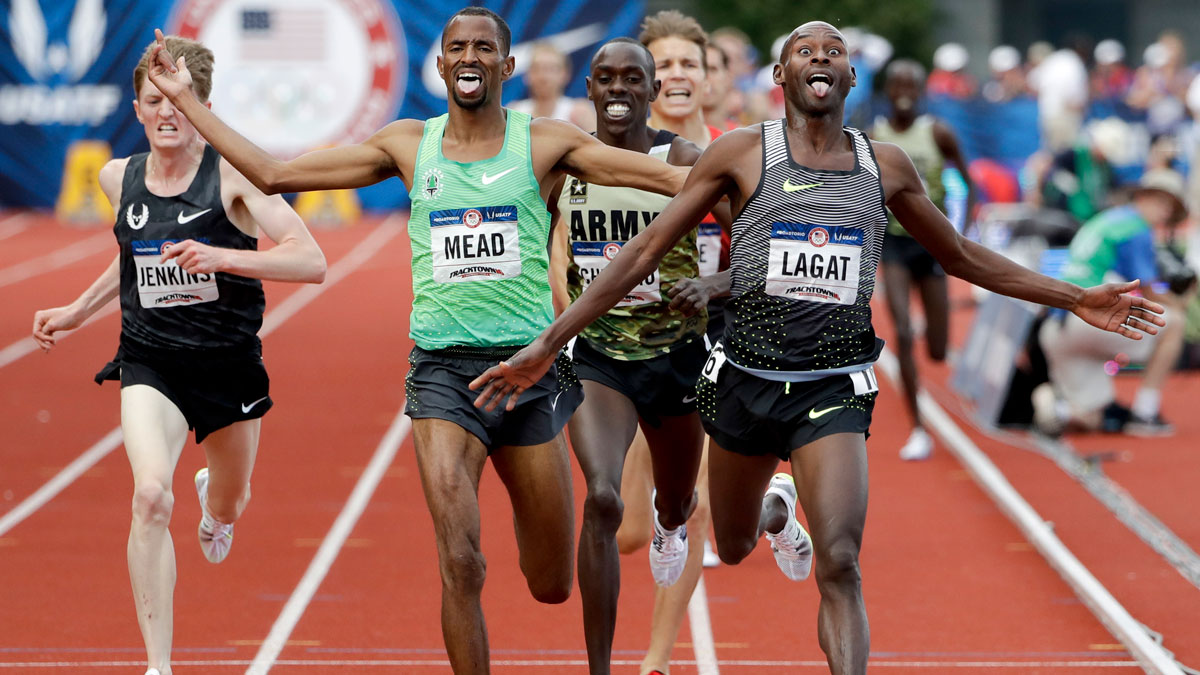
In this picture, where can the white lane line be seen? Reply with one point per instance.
(81, 249)
(1102, 604)
(14, 224)
(362, 252)
(331, 546)
(1023, 666)
(702, 636)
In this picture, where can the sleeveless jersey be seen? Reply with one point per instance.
(803, 257)
(920, 145)
(163, 307)
(480, 233)
(600, 219)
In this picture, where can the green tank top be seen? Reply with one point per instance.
(600, 220)
(479, 232)
(918, 142)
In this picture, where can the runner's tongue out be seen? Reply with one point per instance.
(820, 88)
(467, 84)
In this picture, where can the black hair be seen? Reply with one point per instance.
(505, 33)
(629, 41)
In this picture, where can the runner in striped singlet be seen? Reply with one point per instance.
(793, 379)
(479, 177)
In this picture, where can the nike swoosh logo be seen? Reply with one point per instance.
(817, 414)
(554, 401)
(689, 399)
(184, 220)
(788, 187)
(488, 180)
(247, 407)
(566, 42)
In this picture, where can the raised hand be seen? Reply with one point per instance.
(512, 377)
(196, 258)
(1111, 307)
(171, 77)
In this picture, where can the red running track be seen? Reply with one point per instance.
(950, 584)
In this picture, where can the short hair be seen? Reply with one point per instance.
(501, 25)
(627, 41)
(722, 52)
(909, 67)
(673, 23)
(199, 60)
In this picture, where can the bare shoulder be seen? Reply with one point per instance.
(738, 140)
(111, 177)
(683, 152)
(890, 156)
(545, 129)
(401, 130)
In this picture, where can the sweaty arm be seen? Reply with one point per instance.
(350, 166)
(295, 257)
(1105, 306)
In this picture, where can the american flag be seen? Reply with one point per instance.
(283, 34)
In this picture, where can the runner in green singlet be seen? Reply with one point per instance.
(479, 177)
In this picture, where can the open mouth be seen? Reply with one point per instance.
(820, 84)
(679, 95)
(616, 110)
(468, 83)
(167, 128)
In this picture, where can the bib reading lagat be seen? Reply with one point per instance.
(165, 284)
(593, 256)
(475, 244)
(708, 242)
(815, 263)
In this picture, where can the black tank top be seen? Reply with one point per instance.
(803, 255)
(164, 308)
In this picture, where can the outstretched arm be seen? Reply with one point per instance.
(590, 160)
(295, 257)
(1108, 306)
(350, 166)
(707, 183)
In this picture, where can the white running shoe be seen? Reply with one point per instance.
(668, 551)
(215, 538)
(792, 545)
(711, 559)
(918, 447)
(153, 671)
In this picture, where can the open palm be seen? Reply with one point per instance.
(1113, 308)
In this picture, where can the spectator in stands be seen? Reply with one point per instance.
(1160, 85)
(742, 73)
(950, 77)
(1008, 78)
(1111, 78)
(1061, 85)
(1079, 179)
(1036, 53)
(721, 98)
(1119, 242)
(546, 81)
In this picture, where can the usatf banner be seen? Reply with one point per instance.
(292, 76)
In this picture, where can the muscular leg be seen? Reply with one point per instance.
(601, 431)
(831, 486)
(671, 603)
(736, 484)
(451, 460)
(897, 285)
(538, 479)
(155, 432)
(675, 450)
(637, 484)
(935, 299)
(231, 452)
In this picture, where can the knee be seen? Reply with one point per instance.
(603, 507)
(837, 566)
(152, 504)
(937, 351)
(463, 570)
(734, 550)
(229, 511)
(551, 591)
(631, 539)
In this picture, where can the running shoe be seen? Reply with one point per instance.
(215, 538)
(153, 671)
(792, 545)
(668, 551)
(918, 447)
(710, 559)
(1148, 427)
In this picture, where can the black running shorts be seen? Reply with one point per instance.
(906, 251)
(753, 416)
(661, 386)
(436, 388)
(212, 391)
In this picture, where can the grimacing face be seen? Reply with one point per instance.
(679, 65)
(471, 62)
(621, 86)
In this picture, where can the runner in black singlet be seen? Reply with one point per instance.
(188, 276)
(793, 378)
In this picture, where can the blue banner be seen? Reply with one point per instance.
(290, 78)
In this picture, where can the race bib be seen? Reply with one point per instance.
(477, 244)
(708, 242)
(593, 256)
(816, 263)
(716, 360)
(165, 284)
(864, 381)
